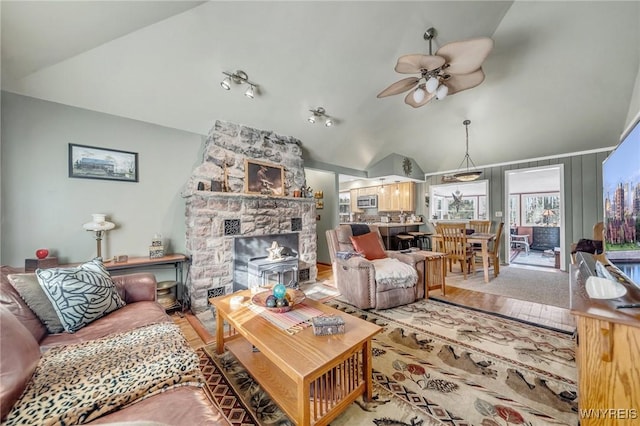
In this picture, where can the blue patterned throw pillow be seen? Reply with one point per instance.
(80, 295)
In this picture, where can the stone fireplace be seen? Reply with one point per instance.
(215, 219)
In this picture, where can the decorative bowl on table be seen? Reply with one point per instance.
(292, 296)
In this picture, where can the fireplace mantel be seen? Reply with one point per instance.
(236, 195)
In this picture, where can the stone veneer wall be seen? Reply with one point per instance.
(214, 219)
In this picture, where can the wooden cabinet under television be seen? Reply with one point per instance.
(607, 351)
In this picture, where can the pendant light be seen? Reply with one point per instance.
(468, 175)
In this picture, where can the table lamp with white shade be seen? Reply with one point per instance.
(99, 225)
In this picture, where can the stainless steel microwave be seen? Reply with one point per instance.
(368, 201)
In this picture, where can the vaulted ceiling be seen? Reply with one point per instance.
(560, 78)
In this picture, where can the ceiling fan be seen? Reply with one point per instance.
(455, 67)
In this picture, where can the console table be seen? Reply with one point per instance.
(175, 261)
(165, 289)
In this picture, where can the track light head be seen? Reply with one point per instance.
(249, 93)
(226, 83)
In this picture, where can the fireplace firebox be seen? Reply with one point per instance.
(252, 266)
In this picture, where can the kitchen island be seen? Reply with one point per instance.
(388, 230)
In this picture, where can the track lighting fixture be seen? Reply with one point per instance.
(319, 113)
(239, 77)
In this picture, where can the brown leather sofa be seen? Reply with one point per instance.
(23, 339)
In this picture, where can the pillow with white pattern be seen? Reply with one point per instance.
(81, 294)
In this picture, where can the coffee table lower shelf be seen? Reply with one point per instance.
(329, 393)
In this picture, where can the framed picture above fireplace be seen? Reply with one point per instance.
(263, 178)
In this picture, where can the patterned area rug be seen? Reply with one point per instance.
(434, 364)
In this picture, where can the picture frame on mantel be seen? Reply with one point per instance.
(263, 178)
(90, 162)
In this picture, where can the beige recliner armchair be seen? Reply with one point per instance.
(355, 277)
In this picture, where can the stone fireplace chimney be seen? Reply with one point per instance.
(215, 218)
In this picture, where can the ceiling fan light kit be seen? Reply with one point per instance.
(468, 175)
(320, 113)
(239, 77)
(455, 67)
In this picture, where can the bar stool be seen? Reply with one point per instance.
(404, 238)
(421, 238)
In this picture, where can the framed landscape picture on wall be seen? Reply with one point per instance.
(90, 162)
(263, 178)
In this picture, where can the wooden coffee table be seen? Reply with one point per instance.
(312, 378)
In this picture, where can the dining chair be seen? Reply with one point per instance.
(494, 251)
(480, 226)
(454, 244)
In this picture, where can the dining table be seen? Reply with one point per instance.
(476, 238)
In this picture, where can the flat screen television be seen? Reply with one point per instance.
(621, 193)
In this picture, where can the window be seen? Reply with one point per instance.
(461, 201)
(541, 209)
(514, 210)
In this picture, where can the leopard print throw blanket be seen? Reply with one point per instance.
(78, 383)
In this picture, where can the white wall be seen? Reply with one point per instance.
(43, 208)
(634, 104)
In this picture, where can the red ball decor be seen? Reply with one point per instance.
(42, 253)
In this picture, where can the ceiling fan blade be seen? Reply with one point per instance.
(410, 101)
(412, 64)
(399, 87)
(459, 82)
(465, 56)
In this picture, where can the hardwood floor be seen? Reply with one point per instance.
(189, 328)
(550, 316)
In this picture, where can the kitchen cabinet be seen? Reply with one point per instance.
(397, 197)
(389, 200)
(344, 203)
(353, 195)
(370, 190)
